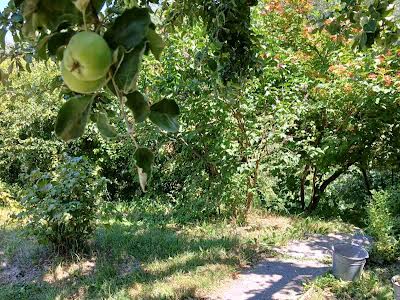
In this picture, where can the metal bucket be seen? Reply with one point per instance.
(348, 261)
(396, 286)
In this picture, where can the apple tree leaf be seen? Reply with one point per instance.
(165, 115)
(73, 117)
(98, 5)
(156, 43)
(57, 41)
(104, 127)
(18, 3)
(129, 29)
(126, 75)
(139, 106)
(371, 26)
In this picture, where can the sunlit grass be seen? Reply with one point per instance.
(374, 284)
(139, 254)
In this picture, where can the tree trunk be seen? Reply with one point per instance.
(314, 201)
(249, 203)
(302, 187)
(315, 193)
(367, 182)
(251, 184)
(319, 190)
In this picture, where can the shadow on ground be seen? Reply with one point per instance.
(320, 246)
(272, 279)
(127, 262)
(284, 278)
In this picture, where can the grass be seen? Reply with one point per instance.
(375, 283)
(142, 253)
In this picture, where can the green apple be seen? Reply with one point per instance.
(87, 56)
(80, 86)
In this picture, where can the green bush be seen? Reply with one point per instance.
(27, 141)
(384, 224)
(113, 157)
(60, 206)
(27, 116)
(6, 195)
(346, 198)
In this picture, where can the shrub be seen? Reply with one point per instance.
(27, 117)
(6, 196)
(113, 158)
(27, 141)
(60, 206)
(346, 198)
(384, 224)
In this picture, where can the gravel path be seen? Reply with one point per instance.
(279, 279)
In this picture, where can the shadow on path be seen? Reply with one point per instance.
(273, 279)
(319, 247)
(283, 278)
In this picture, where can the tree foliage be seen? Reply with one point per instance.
(53, 29)
(228, 25)
(273, 111)
(367, 22)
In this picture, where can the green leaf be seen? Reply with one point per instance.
(363, 40)
(28, 68)
(334, 27)
(156, 43)
(129, 29)
(53, 13)
(126, 76)
(48, 14)
(144, 159)
(73, 117)
(3, 77)
(371, 26)
(3, 33)
(98, 4)
(55, 83)
(165, 115)
(42, 47)
(58, 40)
(65, 6)
(139, 106)
(360, 40)
(17, 18)
(212, 64)
(18, 2)
(103, 124)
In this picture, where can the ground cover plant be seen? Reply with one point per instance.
(374, 284)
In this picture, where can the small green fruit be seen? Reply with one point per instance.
(87, 56)
(80, 86)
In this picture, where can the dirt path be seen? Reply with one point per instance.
(283, 278)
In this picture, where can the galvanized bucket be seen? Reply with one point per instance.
(348, 261)
(396, 286)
